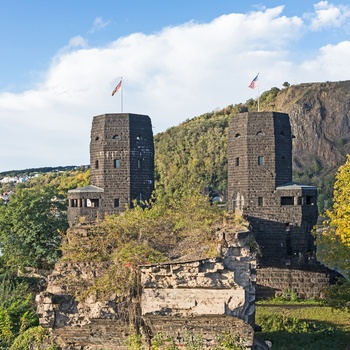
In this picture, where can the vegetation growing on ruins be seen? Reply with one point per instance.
(181, 228)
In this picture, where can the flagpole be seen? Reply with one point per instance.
(121, 95)
(258, 99)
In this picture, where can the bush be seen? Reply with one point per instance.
(36, 336)
(338, 296)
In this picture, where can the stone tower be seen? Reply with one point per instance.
(260, 187)
(121, 166)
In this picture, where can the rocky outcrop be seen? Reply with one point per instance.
(320, 118)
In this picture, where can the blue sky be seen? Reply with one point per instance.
(60, 61)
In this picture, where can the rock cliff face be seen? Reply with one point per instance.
(320, 119)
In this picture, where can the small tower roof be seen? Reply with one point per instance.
(295, 186)
(90, 188)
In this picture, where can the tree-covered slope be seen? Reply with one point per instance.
(193, 154)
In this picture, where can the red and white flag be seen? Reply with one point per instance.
(117, 88)
(254, 82)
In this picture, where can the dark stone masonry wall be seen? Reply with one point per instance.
(307, 283)
(110, 142)
(253, 135)
(281, 213)
(122, 159)
(205, 330)
(141, 157)
(96, 335)
(121, 168)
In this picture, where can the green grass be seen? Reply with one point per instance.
(306, 325)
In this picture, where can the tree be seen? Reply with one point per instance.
(17, 305)
(333, 240)
(340, 213)
(30, 226)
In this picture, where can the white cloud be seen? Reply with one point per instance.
(328, 15)
(74, 43)
(77, 42)
(172, 75)
(98, 24)
(331, 63)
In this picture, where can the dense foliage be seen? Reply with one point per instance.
(193, 155)
(17, 307)
(333, 239)
(34, 338)
(30, 226)
(338, 295)
(340, 213)
(33, 221)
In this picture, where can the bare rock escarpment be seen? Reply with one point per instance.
(320, 118)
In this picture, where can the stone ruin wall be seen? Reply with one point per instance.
(180, 300)
(207, 297)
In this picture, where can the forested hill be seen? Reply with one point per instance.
(193, 154)
(42, 170)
